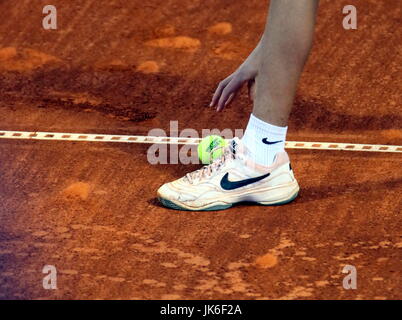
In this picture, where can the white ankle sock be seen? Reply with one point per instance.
(263, 140)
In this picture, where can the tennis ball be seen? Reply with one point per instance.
(209, 148)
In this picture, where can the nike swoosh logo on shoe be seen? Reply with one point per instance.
(232, 185)
(270, 142)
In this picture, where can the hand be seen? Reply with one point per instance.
(228, 88)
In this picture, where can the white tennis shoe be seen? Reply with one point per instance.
(231, 179)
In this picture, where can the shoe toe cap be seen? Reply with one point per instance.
(165, 192)
(169, 191)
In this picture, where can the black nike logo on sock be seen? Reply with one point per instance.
(270, 142)
(231, 185)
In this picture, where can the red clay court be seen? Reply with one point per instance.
(126, 67)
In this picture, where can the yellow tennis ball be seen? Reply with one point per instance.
(211, 148)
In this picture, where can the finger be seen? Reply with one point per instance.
(219, 90)
(230, 99)
(230, 89)
(251, 89)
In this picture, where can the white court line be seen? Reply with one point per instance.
(58, 136)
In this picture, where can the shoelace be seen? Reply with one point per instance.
(207, 171)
